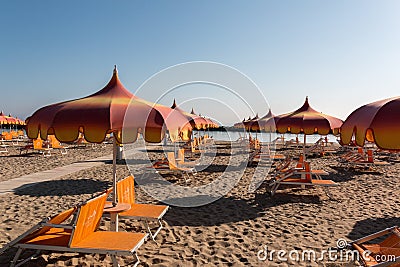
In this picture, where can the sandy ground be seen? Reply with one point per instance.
(15, 164)
(228, 232)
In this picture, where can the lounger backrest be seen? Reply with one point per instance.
(192, 146)
(392, 241)
(8, 136)
(181, 154)
(37, 143)
(57, 219)
(171, 160)
(53, 140)
(307, 168)
(370, 155)
(88, 219)
(300, 163)
(126, 190)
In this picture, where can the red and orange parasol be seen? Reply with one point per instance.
(197, 121)
(375, 122)
(114, 110)
(307, 120)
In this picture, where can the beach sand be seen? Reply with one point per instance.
(228, 232)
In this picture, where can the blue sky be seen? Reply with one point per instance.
(342, 54)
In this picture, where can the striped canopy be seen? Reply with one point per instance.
(377, 122)
(9, 120)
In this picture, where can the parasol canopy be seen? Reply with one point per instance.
(197, 122)
(308, 121)
(267, 122)
(7, 119)
(113, 109)
(375, 122)
(103, 112)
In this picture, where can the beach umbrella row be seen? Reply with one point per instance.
(198, 122)
(376, 122)
(10, 120)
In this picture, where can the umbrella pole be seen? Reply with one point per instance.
(304, 147)
(114, 170)
(114, 215)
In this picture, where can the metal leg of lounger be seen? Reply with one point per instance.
(16, 257)
(114, 261)
(34, 255)
(159, 227)
(137, 261)
(327, 192)
(63, 151)
(274, 187)
(184, 178)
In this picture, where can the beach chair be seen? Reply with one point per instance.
(147, 213)
(75, 230)
(3, 146)
(384, 253)
(195, 148)
(264, 156)
(291, 177)
(36, 145)
(55, 144)
(359, 160)
(173, 166)
(181, 159)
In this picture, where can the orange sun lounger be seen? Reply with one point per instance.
(143, 212)
(291, 177)
(384, 253)
(37, 145)
(358, 159)
(75, 230)
(55, 144)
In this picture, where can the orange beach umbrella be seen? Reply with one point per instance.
(376, 122)
(197, 121)
(307, 120)
(104, 112)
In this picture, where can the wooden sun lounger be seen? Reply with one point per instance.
(79, 236)
(389, 247)
(147, 213)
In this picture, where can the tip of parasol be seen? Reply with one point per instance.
(174, 104)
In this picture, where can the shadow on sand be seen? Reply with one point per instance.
(372, 225)
(62, 187)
